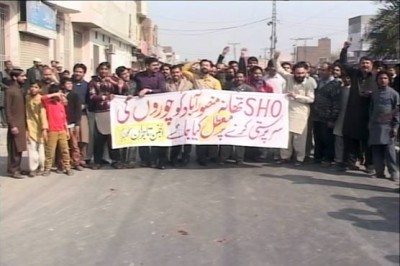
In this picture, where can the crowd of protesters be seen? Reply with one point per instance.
(348, 116)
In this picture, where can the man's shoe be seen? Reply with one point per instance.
(17, 175)
(130, 165)
(59, 171)
(326, 164)
(202, 162)
(32, 174)
(96, 166)
(46, 173)
(161, 166)
(380, 176)
(79, 168)
(370, 171)
(239, 162)
(69, 172)
(298, 163)
(117, 165)
(282, 161)
(394, 177)
(145, 164)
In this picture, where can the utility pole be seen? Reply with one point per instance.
(304, 48)
(265, 55)
(234, 48)
(273, 30)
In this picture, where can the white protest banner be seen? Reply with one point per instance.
(201, 117)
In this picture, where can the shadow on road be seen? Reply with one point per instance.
(316, 168)
(309, 180)
(393, 258)
(385, 218)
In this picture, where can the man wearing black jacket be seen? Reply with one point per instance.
(355, 126)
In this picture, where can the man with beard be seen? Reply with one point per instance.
(229, 78)
(355, 126)
(206, 81)
(34, 73)
(81, 87)
(179, 83)
(151, 81)
(16, 120)
(47, 80)
(166, 71)
(101, 88)
(126, 87)
(300, 90)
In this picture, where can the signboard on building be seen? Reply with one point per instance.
(41, 15)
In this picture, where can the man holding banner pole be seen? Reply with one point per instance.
(151, 81)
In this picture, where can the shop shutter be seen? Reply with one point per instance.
(33, 47)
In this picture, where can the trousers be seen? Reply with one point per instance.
(297, 144)
(36, 156)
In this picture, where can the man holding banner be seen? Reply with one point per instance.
(206, 81)
(151, 81)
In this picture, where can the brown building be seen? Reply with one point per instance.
(315, 54)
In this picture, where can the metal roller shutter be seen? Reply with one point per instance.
(33, 47)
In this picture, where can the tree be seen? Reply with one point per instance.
(384, 31)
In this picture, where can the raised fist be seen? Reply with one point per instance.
(243, 52)
(226, 50)
(346, 44)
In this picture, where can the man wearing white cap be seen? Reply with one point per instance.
(34, 73)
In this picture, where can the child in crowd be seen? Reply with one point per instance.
(57, 134)
(36, 121)
(74, 114)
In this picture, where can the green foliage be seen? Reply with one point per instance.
(384, 33)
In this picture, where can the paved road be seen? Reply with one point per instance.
(255, 215)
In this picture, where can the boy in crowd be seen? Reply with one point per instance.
(57, 134)
(36, 122)
(74, 114)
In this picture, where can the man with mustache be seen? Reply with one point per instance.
(206, 81)
(300, 90)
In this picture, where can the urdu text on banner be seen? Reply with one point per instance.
(201, 117)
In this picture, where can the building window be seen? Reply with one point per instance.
(3, 19)
(104, 38)
(109, 39)
(95, 35)
(120, 44)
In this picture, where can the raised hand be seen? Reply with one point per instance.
(243, 52)
(225, 51)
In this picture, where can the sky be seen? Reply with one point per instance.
(182, 23)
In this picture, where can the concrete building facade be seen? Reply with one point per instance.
(77, 32)
(315, 54)
(358, 31)
(35, 29)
